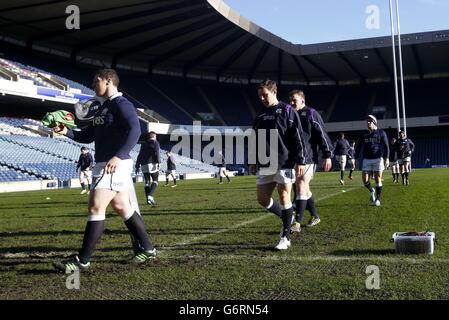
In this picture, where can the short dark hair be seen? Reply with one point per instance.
(342, 135)
(298, 92)
(151, 133)
(109, 74)
(83, 149)
(269, 84)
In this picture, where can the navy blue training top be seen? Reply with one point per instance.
(374, 145)
(314, 135)
(341, 147)
(85, 161)
(115, 129)
(149, 153)
(285, 120)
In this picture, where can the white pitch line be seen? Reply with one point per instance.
(329, 258)
(244, 223)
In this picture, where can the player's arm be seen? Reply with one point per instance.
(158, 153)
(252, 149)
(412, 146)
(91, 161)
(78, 164)
(84, 136)
(139, 159)
(325, 144)
(298, 149)
(385, 149)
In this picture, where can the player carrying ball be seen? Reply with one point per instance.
(115, 130)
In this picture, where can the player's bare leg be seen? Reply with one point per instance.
(366, 178)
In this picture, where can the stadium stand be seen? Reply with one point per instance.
(17, 126)
(26, 157)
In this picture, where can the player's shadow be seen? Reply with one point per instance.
(375, 252)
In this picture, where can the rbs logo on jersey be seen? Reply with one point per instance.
(98, 121)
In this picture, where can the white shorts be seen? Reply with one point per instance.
(283, 176)
(120, 180)
(342, 160)
(86, 175)
(221, 171)
(309, 172)
(173, 172)
(403, 160)
(373, 164)
(150, 168)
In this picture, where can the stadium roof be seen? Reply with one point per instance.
(208, 39)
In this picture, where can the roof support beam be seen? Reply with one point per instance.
(301, 69)
(353, 68)
(280, 60)
(384, 63)
(418, 61)
(319, 68)
(237, 54)
(85, 13)
(223, 27)
(26, 6)
(215, 49)
(113, 20)
(139, 29)
(258, 60)
(166, 37)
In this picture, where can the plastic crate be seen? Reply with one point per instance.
(414, 242)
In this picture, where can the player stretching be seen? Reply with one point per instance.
(341, 148)
(171, 169)
(375, 151)
(405, 148)
(351, 158)
(115, 130)
(149, 159)
(85, 164)
(222, 168)
(282, 119)
(315, 139)
(394, 160)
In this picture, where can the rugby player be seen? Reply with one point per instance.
(351, 158)
(405, 147)
(394, 165)
(282, 119)
(373, 146)
(115, 130)
(149, 161)
(315, 140)
(171, 169)
(341, 148)
(85, 164)
(222, 168)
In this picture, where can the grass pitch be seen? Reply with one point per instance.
(215, 242)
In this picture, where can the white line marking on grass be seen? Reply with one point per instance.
(329, 258)
(244, 223)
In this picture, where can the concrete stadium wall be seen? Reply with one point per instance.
(74, 183)
(28, 185)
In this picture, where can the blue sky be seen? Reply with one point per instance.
(314, 21)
